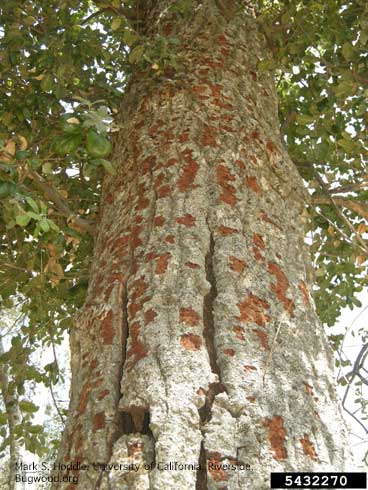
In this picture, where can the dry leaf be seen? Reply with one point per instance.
(23, 144)
(360, 259)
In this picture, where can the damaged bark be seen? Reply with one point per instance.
(199, 263)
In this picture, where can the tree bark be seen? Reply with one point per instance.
(11, 403)
(199, 342)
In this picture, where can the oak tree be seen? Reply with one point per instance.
(161, 163)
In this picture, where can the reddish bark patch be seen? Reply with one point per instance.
(171, 162)
(229, 352)
(216, 470)
(308, 447)
(236, 265)
(192, 265)
(99, 421)
(142, 203)
(93, 365)
(264, 217)
(109, 198)
(199, 89)
(162, 263)
(253, 309)
(255, 135)
(239, 332)
(257, 255)
(225, 230)
(159, 221)
(222, 39)
(107, 331)
(208, 137)
(248, 368)
(216, 89)
(170, 239)
(137, 348)
(262, 338)
(83, 398)
(186, 180)
(149, 316)
(224, 176)
(189, 316)
(258, 241)
(252, 183)
(303, 288)
(190, 341)
(102, 394)
(281, 286)
(150, 256)
(186, 220)
(271, 147)
(276, 436)
(184, 137)
(308, 389)
(164, 191)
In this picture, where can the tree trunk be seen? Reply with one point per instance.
(199, 342)
(11, 404)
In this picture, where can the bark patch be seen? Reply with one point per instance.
(186, 220)
(186, 180)
(281, 286)
(224, 177)
(191, 342)
(98, 421)
(303, 288)
(251, 183)
(137, 349)
(225, 230)
(107, 331)
(162, 263)
(308, 447)
(253, 309)
(262, 338)
(239, 332)
(149, 316)
(189, 316)
(276, 436)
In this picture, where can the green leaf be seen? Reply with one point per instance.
(44, 225)
(33, 204)
(27, 406)
(108, 166)
(68, 143)
(97, 145)
(136, 54)
(116, 23)
(347, 51)
(22, 219)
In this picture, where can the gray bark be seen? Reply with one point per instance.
(10, 399)
(199, 342)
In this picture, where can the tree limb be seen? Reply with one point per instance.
(60, 202)
(358, 207)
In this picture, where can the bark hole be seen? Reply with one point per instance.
(136, 420)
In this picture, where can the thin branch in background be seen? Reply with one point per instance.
(343, 202)
(58, 376)
(56, 405)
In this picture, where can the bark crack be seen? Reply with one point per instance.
(205, 412)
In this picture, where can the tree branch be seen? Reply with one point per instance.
(357, 207)
(60, 202)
